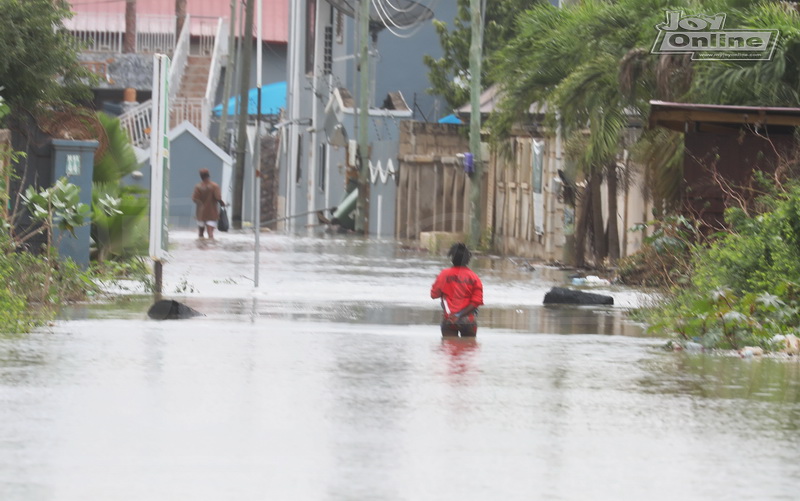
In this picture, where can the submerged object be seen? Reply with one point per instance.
(561, 295)
(169, 309)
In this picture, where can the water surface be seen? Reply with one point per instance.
(331, 382)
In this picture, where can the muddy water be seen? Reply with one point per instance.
(331, 382)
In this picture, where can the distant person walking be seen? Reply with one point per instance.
(461, 293)
(208, 197)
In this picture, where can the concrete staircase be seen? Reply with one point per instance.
(188, 103)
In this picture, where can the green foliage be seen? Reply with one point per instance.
(665, 256)
(32, 287)
(119, 159)
(59, 204)
(4, 109)
(14, 315)
(745, 286)
(449, 74)
(38, 58)
(119, 227)
(775, 82)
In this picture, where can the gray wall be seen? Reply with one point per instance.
(401, 68)
(187, 156)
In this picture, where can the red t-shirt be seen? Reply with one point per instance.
(460, 287)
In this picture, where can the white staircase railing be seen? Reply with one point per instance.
(186, 108)
(214, 70)
(137, 120)
(179, 58)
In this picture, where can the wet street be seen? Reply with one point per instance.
(331, 382)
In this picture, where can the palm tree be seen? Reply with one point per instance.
(129, 42)
(774, 82)
(570, 59)
(180, 16)
(592, 63)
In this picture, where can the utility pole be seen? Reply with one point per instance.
(362, 204)
(241, 137)
(226, 89)
(476, 44)
(257, 155)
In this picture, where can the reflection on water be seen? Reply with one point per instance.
(460, 352)
(334, 383)
(526, 318)
(767, 379)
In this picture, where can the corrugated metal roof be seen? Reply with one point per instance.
(491, 97)
(676, 116)
(725, 107)
(275, 13)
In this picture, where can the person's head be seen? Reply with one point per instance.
(204, 174)
(459, 254)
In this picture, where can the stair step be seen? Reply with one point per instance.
(195, 77)
(197, 87)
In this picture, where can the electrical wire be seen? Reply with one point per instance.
(416, 25)
(397, 9)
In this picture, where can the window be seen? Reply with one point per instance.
(311, 27)
(328, 56)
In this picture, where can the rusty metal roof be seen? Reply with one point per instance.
(685, 117)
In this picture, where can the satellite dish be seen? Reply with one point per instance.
(397, 13)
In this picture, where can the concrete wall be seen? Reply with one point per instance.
(188, 154)
(400, 66)
(314, 174)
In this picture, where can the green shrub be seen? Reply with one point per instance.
(745, 283)
(665, 257)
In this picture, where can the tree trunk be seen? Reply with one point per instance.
(582, 225)
(598, 228)
(180, 16)
(613, 230)
(129, 42)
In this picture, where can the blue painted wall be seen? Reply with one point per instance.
(187, 156)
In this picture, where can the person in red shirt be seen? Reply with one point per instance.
(461, 293)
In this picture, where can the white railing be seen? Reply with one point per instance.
(104, 32)
(179, 58)
(197, 110)
(186, 108)
(98, 31)
(137, 122)
(213, 76)
(156, 34)
(205, 33)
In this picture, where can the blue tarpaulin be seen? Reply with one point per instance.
(450, 119)
(273, 98)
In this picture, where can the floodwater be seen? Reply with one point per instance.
(331, 382)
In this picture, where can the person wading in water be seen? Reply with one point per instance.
(461, 293)
(208, 198)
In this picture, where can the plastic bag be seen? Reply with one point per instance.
(222, 224)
